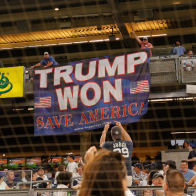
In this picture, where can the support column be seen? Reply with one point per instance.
(85, 142)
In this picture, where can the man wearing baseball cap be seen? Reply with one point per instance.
(138, 175)
(124, 147)
(144, 44)
(47, 61)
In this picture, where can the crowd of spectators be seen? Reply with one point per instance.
(106, 171)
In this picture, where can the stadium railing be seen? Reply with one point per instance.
(33, 182)
(188, 73)
(137, 191)
(163, 70)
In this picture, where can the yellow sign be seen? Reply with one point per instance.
(11, 82)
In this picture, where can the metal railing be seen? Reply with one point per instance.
(33, 182)
(166, 69)
(137, 191)
(188, 69)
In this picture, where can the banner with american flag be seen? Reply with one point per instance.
(87, 94)
(139, 87)
(42, 102)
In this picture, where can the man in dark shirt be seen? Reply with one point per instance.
(124, 147)
(192, 156)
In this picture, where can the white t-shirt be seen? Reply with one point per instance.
(161, 172)
(44, 178)
(3, 185)
(24, 179)
(57, 173)
(60, 193)
(128, 193)
(72, 167)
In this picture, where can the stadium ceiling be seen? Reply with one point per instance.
(78, 20)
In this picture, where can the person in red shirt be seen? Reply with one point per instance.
(144, 44)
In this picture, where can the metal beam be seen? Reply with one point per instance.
(119, 21)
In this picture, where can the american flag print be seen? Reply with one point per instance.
(139, 87)
(42, 102)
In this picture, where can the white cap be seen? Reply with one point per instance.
(145, 38)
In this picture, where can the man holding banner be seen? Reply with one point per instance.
(124, 147)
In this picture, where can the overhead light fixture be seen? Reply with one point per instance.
(20, 47)
(173, 133)
(158, 100)
(172, 99)
(80, 42)
(64, 43)
(50, 45)
(106, 39)
(56, 9)
(144, 36)
(159, 35)
(18, 109)
(35, 46)
(176, 3)
(6, 48)
(117, 38)
(99, 40)
(30, 108)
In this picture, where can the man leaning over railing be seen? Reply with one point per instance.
(47, 61)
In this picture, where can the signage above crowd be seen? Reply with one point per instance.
(85, 95)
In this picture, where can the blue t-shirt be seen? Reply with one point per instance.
(50, 59)
(123, 147)
(188, 175)
(179, 50)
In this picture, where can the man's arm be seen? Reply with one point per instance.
(136, 37)
(49, 64)
(192, 180)
(103, 136)
(126, 135)
(191, 160)
(151, 46)
(36, 65)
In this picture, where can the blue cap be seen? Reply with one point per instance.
(192, 145)
(2, 174)
(154, 165)
(138, 165)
